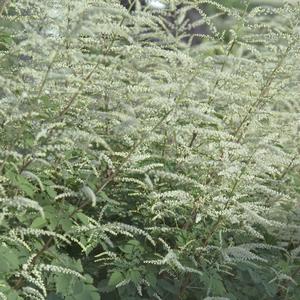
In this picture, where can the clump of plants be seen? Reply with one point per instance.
(135, 166)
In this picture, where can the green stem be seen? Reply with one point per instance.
(6, 2)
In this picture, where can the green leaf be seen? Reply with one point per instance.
(63, 284)
(115, 278)
(6, 289)
(151, 278)
(13, 295)
(134, 276)
(66, 224)
(167, 286)
(127, 249)
(83, 218)
(217, 286)
(51, 192)
(22, 183)
(83, 291)
(9, 260)
(38, 222)
(51, 216)
(132, 247)
(52, 296)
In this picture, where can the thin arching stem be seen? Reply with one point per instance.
(88, 77)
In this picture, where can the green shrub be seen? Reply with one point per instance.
(136, 167)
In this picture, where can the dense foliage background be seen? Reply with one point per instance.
(134, 165)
